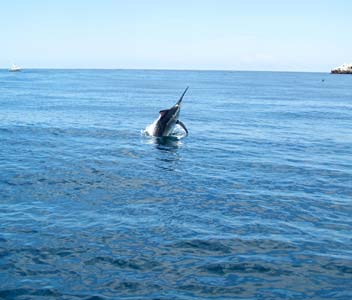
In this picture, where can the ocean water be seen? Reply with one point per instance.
(256, 203)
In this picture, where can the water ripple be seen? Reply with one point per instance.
(254, 204)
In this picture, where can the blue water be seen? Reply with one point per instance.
(254, 204)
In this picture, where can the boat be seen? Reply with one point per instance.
(344, 69)
(15, 68)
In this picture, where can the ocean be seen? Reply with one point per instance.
(256, 203)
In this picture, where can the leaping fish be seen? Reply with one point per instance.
(168, 118)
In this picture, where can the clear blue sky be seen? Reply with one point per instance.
(307, 35)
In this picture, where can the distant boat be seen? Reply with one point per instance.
(15, 68)
(344, 69)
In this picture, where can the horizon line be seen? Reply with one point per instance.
(167, 69)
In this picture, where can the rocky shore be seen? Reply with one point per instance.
(344, 69)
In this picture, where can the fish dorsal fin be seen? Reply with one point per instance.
(163, 112)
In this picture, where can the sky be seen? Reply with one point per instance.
(312, 35)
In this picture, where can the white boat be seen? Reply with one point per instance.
(15, 68)
(344, 69)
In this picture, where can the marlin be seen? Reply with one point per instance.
(168, 118)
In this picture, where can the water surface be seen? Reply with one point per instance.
(254, 204)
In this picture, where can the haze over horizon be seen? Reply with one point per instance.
(155, 34)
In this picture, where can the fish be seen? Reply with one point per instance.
(168, 118)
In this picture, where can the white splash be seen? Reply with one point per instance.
(177, 132)
(150, 128)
